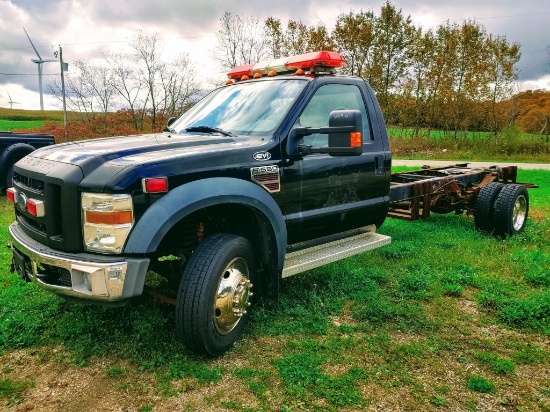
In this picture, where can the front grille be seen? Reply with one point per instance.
(55, 184)
(29, 183)
(31, 223)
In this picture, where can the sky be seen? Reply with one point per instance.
(87, 28)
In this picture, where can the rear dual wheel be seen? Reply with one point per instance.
(212, 305)
(511, 210)
(502, 209)
(485, 206)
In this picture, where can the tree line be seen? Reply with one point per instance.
(452, 77)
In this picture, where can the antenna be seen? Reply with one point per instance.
(11, 102)
(39, 62)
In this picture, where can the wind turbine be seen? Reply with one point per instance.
(39, 61)
(11, 102)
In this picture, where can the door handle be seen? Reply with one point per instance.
(378, 165)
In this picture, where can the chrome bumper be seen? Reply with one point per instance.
(80, 275)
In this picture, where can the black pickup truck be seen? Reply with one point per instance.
(285, 168)
(14, 146)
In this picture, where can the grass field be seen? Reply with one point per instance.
(30, 115)
(14, 119)
(509, 146)
(444, 318)
(8, 125)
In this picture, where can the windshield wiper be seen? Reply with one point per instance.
(206, 129)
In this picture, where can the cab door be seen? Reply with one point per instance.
(336, 193)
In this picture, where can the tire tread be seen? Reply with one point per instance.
(191, 315)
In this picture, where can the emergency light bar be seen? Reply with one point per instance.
(309, 61)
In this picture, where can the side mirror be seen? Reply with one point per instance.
(346, 143)
(169, 123)
(345, 136)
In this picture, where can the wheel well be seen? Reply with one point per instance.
(11, 159)
(15, 156)
(237, 219)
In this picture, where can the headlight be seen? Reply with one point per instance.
(107, 221)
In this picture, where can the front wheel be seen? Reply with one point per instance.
(212, 305)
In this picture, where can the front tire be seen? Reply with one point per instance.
(214, 294)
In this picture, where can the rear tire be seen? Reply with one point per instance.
(511, 210)
(214, 294)
(485, 206)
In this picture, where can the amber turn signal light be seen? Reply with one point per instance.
(356, 139)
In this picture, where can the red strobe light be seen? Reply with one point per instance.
(155, 185)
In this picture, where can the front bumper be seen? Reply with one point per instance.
(80, 275)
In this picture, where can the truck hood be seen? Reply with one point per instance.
(130, 150)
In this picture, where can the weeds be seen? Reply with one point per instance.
(12, 390)
(480, 384)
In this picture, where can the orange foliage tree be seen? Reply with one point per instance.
(532, 111)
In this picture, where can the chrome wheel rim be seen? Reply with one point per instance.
(232, 296)
(519, 213)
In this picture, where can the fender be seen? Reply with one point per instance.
(15, 150)
(188, 198)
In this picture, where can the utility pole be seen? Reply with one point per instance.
(64, 68)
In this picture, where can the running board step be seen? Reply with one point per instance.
(309, 255)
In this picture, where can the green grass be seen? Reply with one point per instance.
(30, 115)
(12, 390)
(511, 145)
(441, 315)
(8, 125)
(480, 384)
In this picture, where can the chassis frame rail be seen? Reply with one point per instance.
(416, 194)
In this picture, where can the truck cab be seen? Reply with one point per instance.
(285, 157)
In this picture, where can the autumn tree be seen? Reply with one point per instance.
(319, 38)
(421, 55)
(501, 67)
(240, 40)
(533, 111)
(354, 38)
(393, 36)
(274, 37)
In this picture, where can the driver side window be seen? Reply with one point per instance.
(326, 99)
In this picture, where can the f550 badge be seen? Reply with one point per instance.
(267, 177)
(262, 156)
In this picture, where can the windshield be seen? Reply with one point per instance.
(251, 109)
